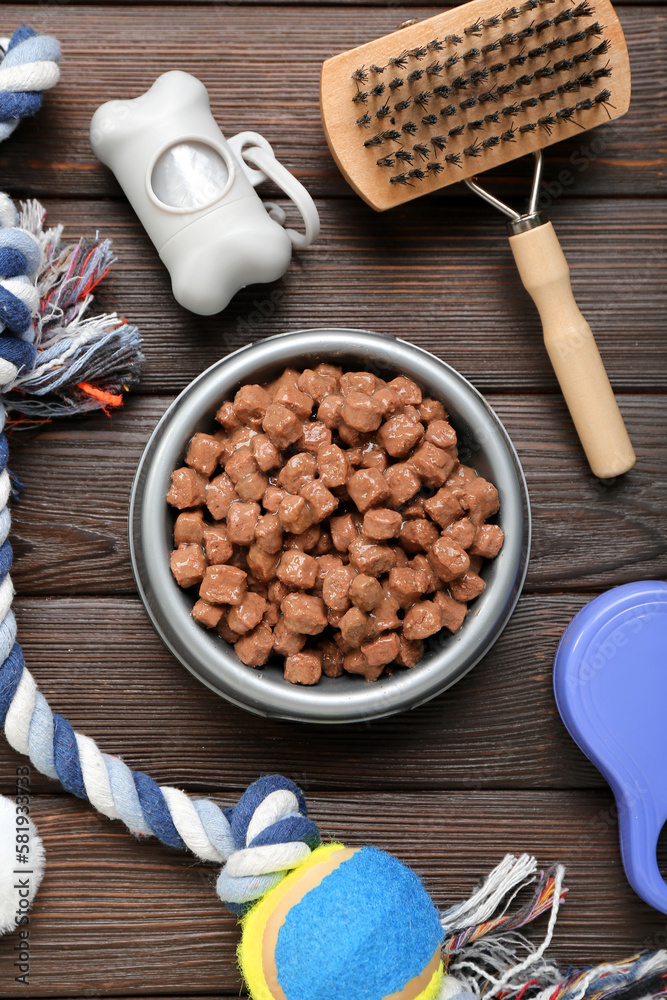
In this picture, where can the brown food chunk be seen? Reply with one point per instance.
(188, 489)
(223, 585)
(410, 652)
(382, 650)
(240, 464)
(443, 507)
(269, 533)
(402, 482)
(317, 385)
(304, 668)
(356, 663)
(448, 559)
(254, 648)
(336, 587)
(418, 535)
(272, 499)
(441, 433)
(332, 659)
(373, 457)
(421, 620)
(241, 522)
(421, 563)
(277, 591)
(304, 614)
(381, 523)
(453, 612)
(365, 592)
(290, 396)
(351, 436)
(329, 411)
(409, 392)
(282, 426)
(367, 488)
(344, 529)
(430, 410)
(296, 569)
(251, 403)
(462, 531)
(243, 436)
(228, 634)
(203, 453)
(333, 466)
(306, 541)
(415, 509)
(399, 435)
(272, 615)
(300, 470)
(295, 515)
(370, 558)
(488, 541)
(320, 500)
(315, 435)
(206, 614)
(286, 642)
(189, 527)
(432, 464)
(358, 382)
(388, 400)
(407, 585)
(227, 418)
(265, 452)
(362, 412)
(217, 545)
(467, 587)
(356, 627)
(385, 615)
(481, 498)
(262, 564)
(248, 613)
(252, 487)
(188, 564)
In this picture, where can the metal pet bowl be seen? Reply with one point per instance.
(483, 443)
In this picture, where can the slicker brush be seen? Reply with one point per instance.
(440, 100)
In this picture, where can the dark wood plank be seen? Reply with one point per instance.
(99, 662)
(121, 916)
(51, 155)
(70, 535)
(446, 281)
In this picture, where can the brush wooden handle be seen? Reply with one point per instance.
(573, 352)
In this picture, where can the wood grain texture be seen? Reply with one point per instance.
(70, 534)
(485, 768)
(99, 662)
(147, 920)
(445, 280)
(271, 86)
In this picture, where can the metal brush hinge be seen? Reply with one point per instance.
(518, 223)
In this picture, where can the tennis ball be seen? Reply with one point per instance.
(347, 923)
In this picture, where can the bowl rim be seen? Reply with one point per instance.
(205, 654)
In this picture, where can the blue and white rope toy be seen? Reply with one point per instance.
(28, 66)
(320, 922)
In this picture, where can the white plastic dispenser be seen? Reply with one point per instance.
(194, 191)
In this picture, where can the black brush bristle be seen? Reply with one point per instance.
(542, 60)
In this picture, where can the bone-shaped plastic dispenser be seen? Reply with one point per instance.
(610, 678)
(193, 191)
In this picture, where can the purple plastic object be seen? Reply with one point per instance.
(610, 678)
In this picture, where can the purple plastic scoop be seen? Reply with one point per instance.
(610, 679)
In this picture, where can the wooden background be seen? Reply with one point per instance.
(487, 767)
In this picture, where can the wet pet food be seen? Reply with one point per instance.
(327, 521)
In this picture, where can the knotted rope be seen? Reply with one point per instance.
(28, 66)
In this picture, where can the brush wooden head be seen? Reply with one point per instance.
(464, 91)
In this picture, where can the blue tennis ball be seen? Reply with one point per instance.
(347, 923)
